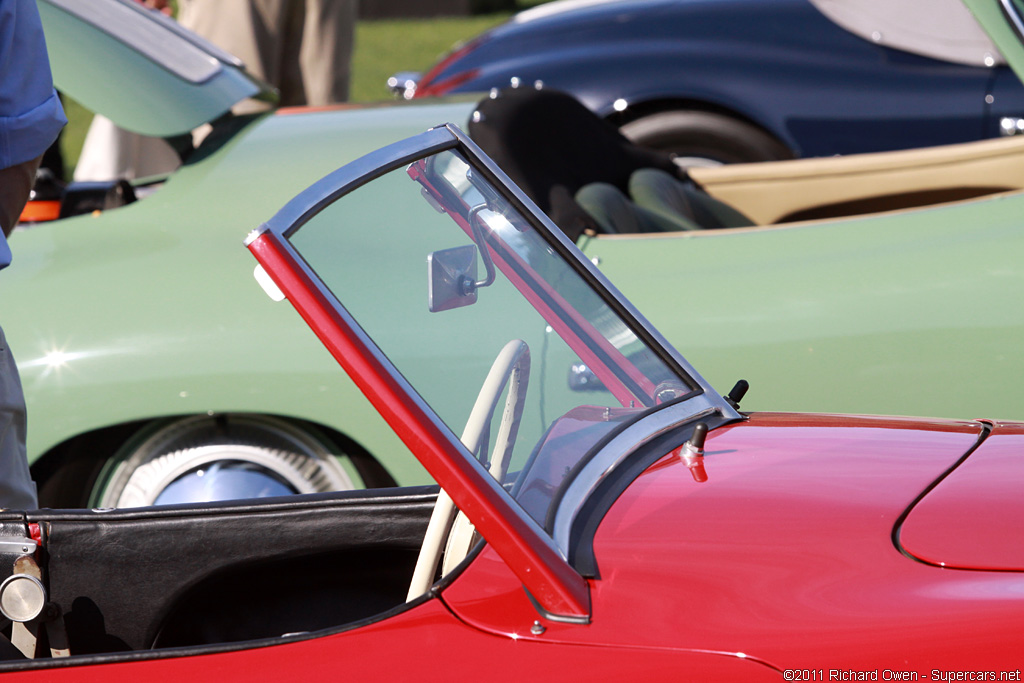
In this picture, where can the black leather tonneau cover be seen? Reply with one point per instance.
(124, 577)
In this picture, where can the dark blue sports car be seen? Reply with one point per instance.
(750, 80)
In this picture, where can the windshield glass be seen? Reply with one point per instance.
(506, 341)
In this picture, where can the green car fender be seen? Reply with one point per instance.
(910, 313)
(151, 311)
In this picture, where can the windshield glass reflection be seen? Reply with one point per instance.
(506, 341)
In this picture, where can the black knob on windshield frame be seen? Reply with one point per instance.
(737, 393)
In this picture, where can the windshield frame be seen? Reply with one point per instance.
(531, 553)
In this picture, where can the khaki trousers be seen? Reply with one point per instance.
(302, 47)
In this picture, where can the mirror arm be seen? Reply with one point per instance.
(485, 254)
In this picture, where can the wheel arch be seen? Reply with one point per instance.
(641, 108)
(68, 471)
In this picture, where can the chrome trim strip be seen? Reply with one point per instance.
(353, 175)
(17, 546)
(1015, 19)
(153, 35)
(558, 618)
(633, 437)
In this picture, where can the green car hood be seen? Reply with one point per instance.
(139, 68)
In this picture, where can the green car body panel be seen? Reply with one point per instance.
(1002, 21)
(150, 311)
(914, 313)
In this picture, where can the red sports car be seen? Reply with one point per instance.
(618, 522)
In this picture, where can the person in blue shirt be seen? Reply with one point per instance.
(30, 118)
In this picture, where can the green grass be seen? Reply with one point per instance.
(382, 47)
(385, 46)
(74, 133)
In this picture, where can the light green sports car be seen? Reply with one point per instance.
(148, 382)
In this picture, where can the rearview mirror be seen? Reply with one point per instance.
(452, 278)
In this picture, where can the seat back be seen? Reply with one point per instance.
(670, 197)
(551, 145)
(586, 175)
(616, 213)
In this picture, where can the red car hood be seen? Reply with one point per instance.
(787, 553)
(972, 518)
(785, 486)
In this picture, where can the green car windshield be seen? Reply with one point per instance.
(452, 282)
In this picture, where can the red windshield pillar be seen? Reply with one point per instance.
(558, 589)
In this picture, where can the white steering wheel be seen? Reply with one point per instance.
(511, 368)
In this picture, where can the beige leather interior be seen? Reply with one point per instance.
(829, 187)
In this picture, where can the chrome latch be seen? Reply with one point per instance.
(17, 546)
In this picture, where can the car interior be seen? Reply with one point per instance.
(590, 179)
(186, 576)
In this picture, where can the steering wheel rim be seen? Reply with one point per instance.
(510, 368)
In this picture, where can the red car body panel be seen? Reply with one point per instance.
(973, 518)
(791, 535)
(423, 643)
